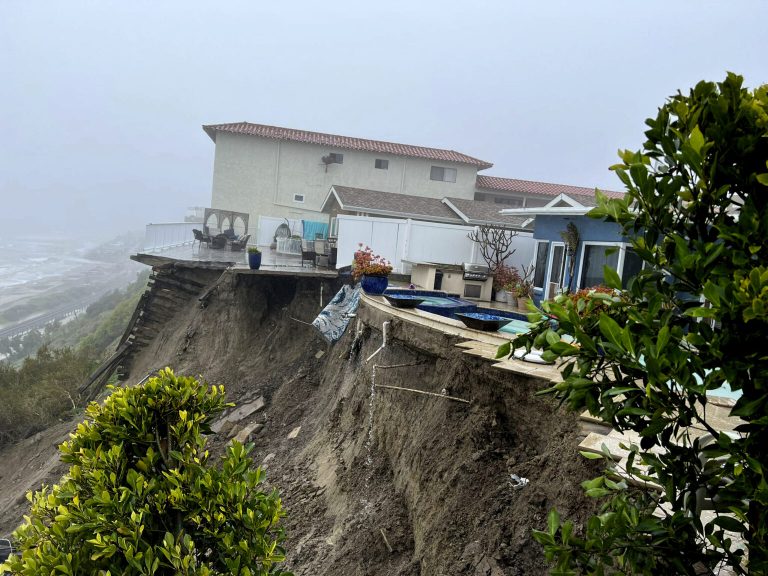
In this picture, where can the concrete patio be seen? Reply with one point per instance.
(272, 262)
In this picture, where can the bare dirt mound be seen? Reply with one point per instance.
(375, 481)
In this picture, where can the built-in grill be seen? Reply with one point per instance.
(479, 272)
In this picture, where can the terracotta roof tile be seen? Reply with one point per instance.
(541, 188)
(344, 142)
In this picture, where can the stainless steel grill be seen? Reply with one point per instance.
(479, 272)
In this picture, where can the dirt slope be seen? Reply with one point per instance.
(375, 481)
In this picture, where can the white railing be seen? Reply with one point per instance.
(169, 235)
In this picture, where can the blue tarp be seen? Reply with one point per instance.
(311, 229)
(333, 320)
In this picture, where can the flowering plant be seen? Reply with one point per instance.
(366, 262)
(504, 276)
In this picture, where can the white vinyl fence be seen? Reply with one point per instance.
(405, 241)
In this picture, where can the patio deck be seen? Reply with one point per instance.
(272, 263)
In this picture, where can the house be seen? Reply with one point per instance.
(308, 180)
(269, 171)
(599, 244)
(286, 173)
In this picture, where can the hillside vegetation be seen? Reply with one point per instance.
(40, 389)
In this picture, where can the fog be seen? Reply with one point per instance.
(102, 102)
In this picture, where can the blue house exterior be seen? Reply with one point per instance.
(600, 244)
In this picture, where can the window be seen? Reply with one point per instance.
(632, 266)
(514, 202)
(541, 264)
(618, 256)
(595, 257)
(336, 158)
(298, 198)
(442, 174)
(558, 264)
(382, 164)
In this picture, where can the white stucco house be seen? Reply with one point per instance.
(274, 172)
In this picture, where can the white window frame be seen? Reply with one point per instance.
(546, 265)
(445, 169)
(550, 259)
(622, 246)
(297, 196)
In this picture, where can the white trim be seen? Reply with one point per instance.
(550, 260)
(563, 198)
(453, 207)
(535, 260)
(544, 211)
(622, 246)
(331, 192)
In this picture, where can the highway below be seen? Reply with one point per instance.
(42, 320)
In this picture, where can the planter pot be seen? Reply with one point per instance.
(511, 299)
(374, 284)
(502, 296)
(254, 261)
(522, 304)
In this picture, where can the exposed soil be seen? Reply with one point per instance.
(375, 481)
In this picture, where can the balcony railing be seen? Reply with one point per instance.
(169, 235)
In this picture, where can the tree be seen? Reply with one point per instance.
(141, 498)
(694, 319)
(494, 244)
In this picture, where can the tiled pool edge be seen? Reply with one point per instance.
(476, 342)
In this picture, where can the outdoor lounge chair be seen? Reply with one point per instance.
(321, 253)
(239, 243)
(201, 237)
(219, 242)
(308, 251)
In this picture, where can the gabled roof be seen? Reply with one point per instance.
(541, 188)
(390, 204)
(344, 142)
(560, 205)
(479, 213)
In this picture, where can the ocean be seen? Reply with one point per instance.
(36, 273)
(27, 261)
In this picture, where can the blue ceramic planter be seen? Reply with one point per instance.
(374, 284)
(254, 261)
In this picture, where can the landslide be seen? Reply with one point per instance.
(375, 481)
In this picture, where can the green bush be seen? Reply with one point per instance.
(693, 319)
(43, 390)
(141, 497)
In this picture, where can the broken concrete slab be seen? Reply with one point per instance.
(295, 432)
(243, 435)
(238, 414)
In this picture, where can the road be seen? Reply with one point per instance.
(43, 319)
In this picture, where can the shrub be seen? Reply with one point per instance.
(141, 498)
(697, 214)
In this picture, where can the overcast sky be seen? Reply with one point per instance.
(102, 102)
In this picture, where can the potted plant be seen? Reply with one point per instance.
(254, 258)
(523, 292)
(511, 292)
(371, 270)
(504, 277)
(523, 288)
